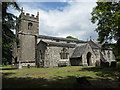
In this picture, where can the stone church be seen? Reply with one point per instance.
(36, 50)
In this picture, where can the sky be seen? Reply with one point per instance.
(62, 19)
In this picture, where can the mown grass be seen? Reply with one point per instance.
(5, 66)
(47, 73)
(59, 77)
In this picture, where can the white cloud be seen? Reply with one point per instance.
(74, 20)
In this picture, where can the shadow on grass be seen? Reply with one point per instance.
(65, 82)
(8, 68)
(6, 74)
(28, 82)
(56, 82)
(105, 72)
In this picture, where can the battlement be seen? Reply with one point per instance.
(29, 23)
(29, 16)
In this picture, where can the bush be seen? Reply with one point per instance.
(118, 58)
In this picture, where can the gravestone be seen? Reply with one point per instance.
(19, 65)
(106, 64)
(113, 64)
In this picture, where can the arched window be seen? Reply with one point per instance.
(64, 54)
(30, 26)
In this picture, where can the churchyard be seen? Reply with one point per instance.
(61, 77)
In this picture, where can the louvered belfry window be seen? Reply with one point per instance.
(30, 26)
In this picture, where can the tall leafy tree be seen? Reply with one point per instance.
(9, 22)
(107, 17)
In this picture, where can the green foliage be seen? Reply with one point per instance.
(70, 37)
(9, 22)
(107, 17)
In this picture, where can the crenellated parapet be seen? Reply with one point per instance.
(28, 16)
(29, 23)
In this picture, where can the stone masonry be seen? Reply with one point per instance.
(34, 50)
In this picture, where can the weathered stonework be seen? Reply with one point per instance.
(26, 49)
(43, 51)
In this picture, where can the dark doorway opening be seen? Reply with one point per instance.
(89, 59)
(76, 61)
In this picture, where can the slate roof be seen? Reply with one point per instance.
(60, 39)
(78, 51)
(59, 44)
(93, 45)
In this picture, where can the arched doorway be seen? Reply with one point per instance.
(89, 58)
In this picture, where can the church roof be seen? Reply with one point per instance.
(59, 44)
(93, 44)
(61, 39)
(78, 51)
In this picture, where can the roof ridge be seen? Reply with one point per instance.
(59, 44)
(52, 37)
(93, 43)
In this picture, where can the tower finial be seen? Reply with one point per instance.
(38, 14)
(22, 9)
(90, 38)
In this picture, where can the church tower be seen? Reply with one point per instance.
(27, 34)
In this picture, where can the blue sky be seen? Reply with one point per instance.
(46, 5)
(62, 19)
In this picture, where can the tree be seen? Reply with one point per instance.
(9, 22)
(107, 17)
(70, 37)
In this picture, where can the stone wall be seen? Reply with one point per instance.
(21, 65)
(27, 48)
(27, 29)
(25, 20)
(28, 63)
(108, 55)
(52, 56)
(92, 58)
(76, 61)
(41, 47)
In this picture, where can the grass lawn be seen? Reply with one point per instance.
(59, 77)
